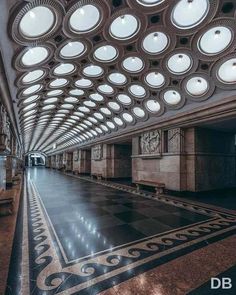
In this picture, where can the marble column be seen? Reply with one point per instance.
(82, 161)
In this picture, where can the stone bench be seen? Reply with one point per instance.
(7, 199)
(159, 186)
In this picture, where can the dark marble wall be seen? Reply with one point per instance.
(2, 172)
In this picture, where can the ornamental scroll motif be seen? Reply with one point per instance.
(4, 131)
(150, 142)
(97, 152)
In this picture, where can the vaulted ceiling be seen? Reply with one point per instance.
(90, 68)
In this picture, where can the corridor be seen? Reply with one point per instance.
(83, 237)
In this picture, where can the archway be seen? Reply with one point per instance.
(35, 159)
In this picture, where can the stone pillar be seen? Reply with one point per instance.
(3, 172)
(82, 161)
(68, 162)
(48, 161)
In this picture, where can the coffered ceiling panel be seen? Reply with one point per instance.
(92, 67)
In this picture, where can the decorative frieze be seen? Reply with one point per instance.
(5, 137)
(175, 140)
(150, 143)
(97, 152)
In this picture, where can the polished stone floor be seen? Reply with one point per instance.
(82, 237)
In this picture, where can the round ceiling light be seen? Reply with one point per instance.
(133, 64)
(137, 91)
(215, 40)
(124, 27)
(105, 111)
(30, 106)
(110, 125)
(118, 121)
(124, 99)
(98, 116)
(105, 88)
(76, 92)
(153, 106)
(90, 103)
(155, 42)
(117, 78)
(138, 112)
(227, 71)
(179, 63)
(106, 53)
(32, 89)
(31, 99)
(72, 49)
(155, 79)
(93, 71)
(85, 19)
(172, 97)
(84, 83)
(34, 56)
(96, 97)
(48, 107)
(51, 100)
(67, 106)
(37, 22)
(189, 13)
(114, 106)
(64, 69)
(33, 76)
(127, 117)
(71, 99)
(58, 82)
(55, 92)
(149, 3)
(84, 109)
(197, 86)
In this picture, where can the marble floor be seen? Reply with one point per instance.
(80, 236)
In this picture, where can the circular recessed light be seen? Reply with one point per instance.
(48, 107)
(104, 127)
(215, 40)
(105, 88)
(85, 19)
(105, 111)
(29, 113)
(172, 97)
(117, 78)
(72, 49)
(153, 106)
(155, 42)
(133, 64)
(137, 90)
(50, 100)
(31, 99)
(139, 112)
(33, 76)
(110, 125)
(189, 13)
(54, 92)
(227, 71)
(71, 99)
(76, 92)
(37, 22)
(84, 109)
(93, 71)
(34, 56)
(30, 106)
(114, 106)
(58, 82)
(90, 103)
(84, 83)
(124, 27)
(64, 69)
(32, 89)
(106, 53)
(149, 3)
(67, 106)
(118, 121)
(155, 79)
(197, 86)
(96, 97)
(127, 117)
(124, 99)
(179, 63)
(98, 116)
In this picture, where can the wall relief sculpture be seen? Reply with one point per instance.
(5, 135)
(97, 152)
(175, 140)
(150, 142)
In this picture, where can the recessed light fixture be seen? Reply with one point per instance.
(179, 63)
(37, 22)
(60, 82)
(155, 42)
(64, 69)
(105, 88)
(153, 106)
(106, 53)
(133, 64)
(124, 27)
(32, 89)
(72, 49)
(172, 97)
(187, 14)
(215, 40)
(139, 112)
(85, 19)
(150, 3)
(128, 117)
(197, 86)
(124, 99)
(34, 56)
(155, 79)
(33, 76)
(227, 71)
(93, 71)
(117, 78)
(96, 97)
(137, 90)
(84, 83)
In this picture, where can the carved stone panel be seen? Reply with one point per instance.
(150, 142)
(97, 152)
(76, 156)
(5, 136)
(175, 140)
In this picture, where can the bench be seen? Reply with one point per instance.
(7, 199)
(98, 176)
(159, 186)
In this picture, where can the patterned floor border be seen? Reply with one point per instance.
(53, 277)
